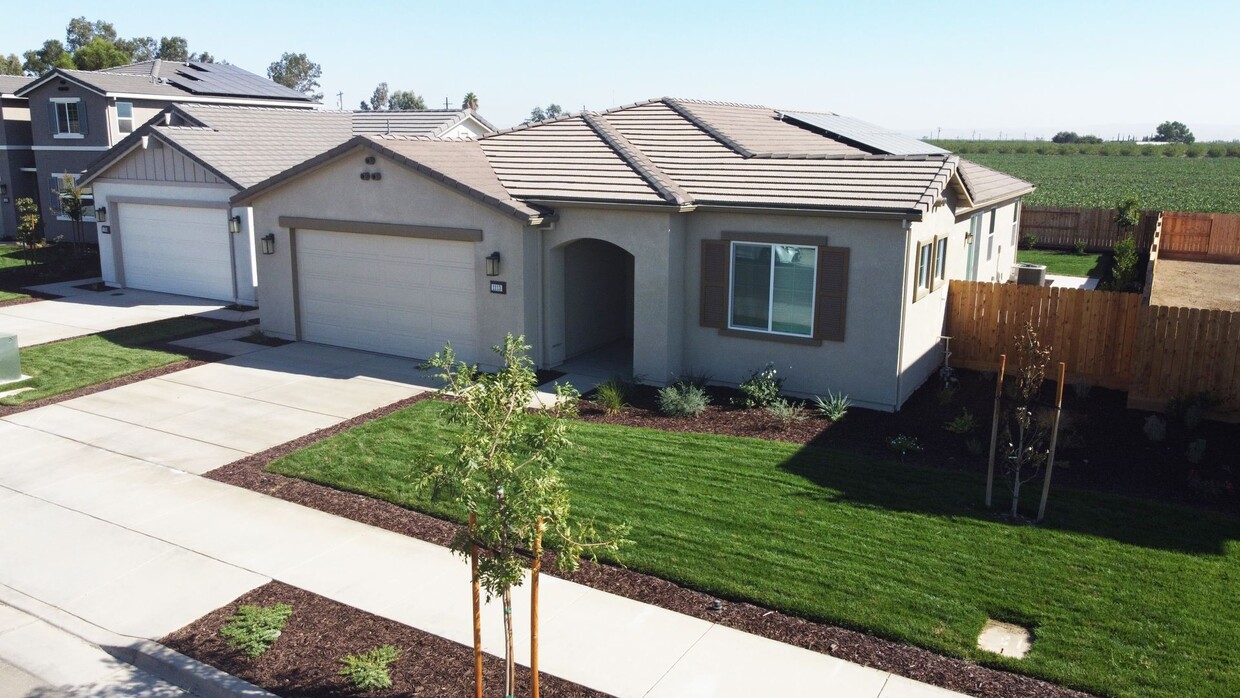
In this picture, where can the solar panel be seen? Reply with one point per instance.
(876, 137)
(221, 79)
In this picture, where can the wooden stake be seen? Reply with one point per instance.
(538, 533)
(477, 593)
(994, 430)
(1050, 459)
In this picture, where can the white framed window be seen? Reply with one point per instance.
(67, 118)
(925, 269)
(771, 288)
(940, 260)
(124, 117)
(88, 199)
(1015, 224)
(990, 237)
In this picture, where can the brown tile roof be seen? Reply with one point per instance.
(424, 122)
(759, 131)
(985, 185)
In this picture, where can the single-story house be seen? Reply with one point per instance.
(683, 236)
(163, 191)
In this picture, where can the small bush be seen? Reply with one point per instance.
(1124, 266)
(962, 424)
(369, 670)
(834, 407)
(1028, 241)
(612, 395)
(974, 447)
(1155, 428)
(947, 394)
(1196, 451)
(1104, 150)
(1216, 151)
(683, 400)
(1233, 150)
(1193, 151)
(1126, 150)
(252, 630)
(903, 444)
(1078, 247)
(1022, 149)
(785, 412)
(762, 387)
(1148, 151)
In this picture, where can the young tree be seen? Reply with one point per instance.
(1173, 132)
(296, 71)
(10, 65)
(470, 101)
(28, 226)
(73, 206)
(406, 100)
(503, 469)
(1025, 436)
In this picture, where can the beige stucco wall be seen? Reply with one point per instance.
(863, 365)
(401, 197)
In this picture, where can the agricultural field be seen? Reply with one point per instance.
(1178, 182)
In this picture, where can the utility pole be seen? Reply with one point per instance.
(340, 101)
(445, 104)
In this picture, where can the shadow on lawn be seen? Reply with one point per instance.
(907, 488)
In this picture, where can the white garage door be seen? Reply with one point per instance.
(177, 249)
(394, 295)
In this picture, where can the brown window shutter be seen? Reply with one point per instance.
(831, 294)
(714, 311)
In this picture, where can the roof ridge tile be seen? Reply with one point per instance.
(644, 166)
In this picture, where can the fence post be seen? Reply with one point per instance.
(994, 430)
(1050, 460)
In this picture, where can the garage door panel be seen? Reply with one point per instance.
(388, 294)
(176, 249)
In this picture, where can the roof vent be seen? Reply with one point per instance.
(155, 66)
(167, 118)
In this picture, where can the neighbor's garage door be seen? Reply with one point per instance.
(394, 295)
(177, 249)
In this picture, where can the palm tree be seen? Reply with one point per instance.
(470, 101)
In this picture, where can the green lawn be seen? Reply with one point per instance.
(1127, 598)
(1067, 262)
(10, 258)
(61, 367)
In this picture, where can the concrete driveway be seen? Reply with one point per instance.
(82, 312)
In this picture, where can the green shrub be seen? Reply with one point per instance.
(903, 444)
(1126, 150)
(683, 400)
(974, 447)
(369, 670)
(1078, 247)
(1148, 151)
(1233, 150)
(1104, 150)
(1216, 151)
(1028, 241)
(1067, 149)
(1193, 151)
(252, 630)
(1022, 149)
(612, 395)
(785, 412)
(962, 424)
(834, 407)
(947, 394)
(761, 388)
(1124, 266)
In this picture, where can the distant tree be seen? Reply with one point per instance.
(139, 48)
(98, 54)
(1089, 139)
(551, 111)
(470, 101)
(10, 65)
(1065, 137)
(379, 98)
(406, 100)
(1173, 132)
(82, 31)
(203, 57)
(364, 106)
(51, 55)
(296, 71)
(173, 48)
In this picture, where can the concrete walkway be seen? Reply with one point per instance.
(102, 517)
(81, 312)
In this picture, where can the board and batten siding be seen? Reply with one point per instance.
(161, 164)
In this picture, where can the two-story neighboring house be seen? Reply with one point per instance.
(77, 115)
(16, 157)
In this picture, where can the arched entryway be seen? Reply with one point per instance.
(598, 306)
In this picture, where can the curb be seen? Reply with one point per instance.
(164, 663)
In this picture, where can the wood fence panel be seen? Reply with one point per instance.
(1107, 339)
(1062, 228)
(1224, 238)
(1186, 235)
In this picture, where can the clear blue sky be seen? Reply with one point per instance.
(1032, 68)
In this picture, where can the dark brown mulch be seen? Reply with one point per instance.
(918, 664)
(305, 661)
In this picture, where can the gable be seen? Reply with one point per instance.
(160, 162)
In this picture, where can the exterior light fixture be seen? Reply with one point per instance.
(968, 238)
(4, 189)
(269, 243)
(234, 225)
(101, 214)
(493, 264)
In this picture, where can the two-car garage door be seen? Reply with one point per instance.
(177, 249)
(388, 294)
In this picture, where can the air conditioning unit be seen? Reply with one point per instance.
(1030, 274)
(10, 362)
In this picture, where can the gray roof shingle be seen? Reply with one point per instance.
(12, 83)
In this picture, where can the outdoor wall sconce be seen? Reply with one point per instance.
(493, 264)
(269, 243)
(234, 225)
(968, 238)
(4, 189)
(101, 214)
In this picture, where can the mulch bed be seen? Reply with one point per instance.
(305, 661)
(918, 664)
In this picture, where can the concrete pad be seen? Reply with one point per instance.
(148, 401)
(374, 555)
(338, 397)
(34, 458)
(243, 424)
(31, 332)
(307, 358)
(128, 439)
(727, 662)
(129, 496)
(232, 378)
(649, 639)
(393, 369)
(232, 347)
(82, 312)
(900, 687)
(55, 657)
(15, 683)
(1007, 639)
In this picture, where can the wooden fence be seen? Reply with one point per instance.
(1107, 339)
(1062, 228)
(1211, 237)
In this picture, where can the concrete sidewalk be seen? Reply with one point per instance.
(81, 312)
(142, 546)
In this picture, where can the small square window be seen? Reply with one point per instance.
(124, 117)
(67, 118)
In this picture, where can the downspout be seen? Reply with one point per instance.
(906, 226)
